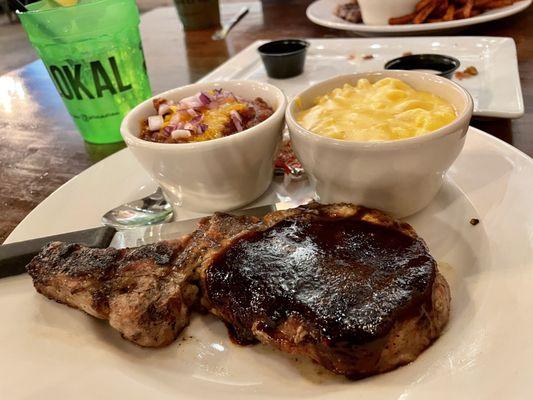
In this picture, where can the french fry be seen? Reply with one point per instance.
(467, 9)
(449, 13)
(424, 13)
(497, 4)
(428, 11)
(406, 19)
(422, 4)
(440, 10)
(481, 3)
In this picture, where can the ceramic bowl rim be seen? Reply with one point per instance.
(131, 138)
(461, 122)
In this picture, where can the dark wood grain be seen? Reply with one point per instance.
(40, 148)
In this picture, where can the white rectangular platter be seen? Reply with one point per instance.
(496, 89)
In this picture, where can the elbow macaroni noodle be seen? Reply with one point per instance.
(389, 109)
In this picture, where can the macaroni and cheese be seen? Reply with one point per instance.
(388, 109)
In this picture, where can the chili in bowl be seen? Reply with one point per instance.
(209, 146)
(204, 116)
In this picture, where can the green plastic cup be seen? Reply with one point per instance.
(93, 53)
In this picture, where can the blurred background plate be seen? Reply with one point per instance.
(321, 12)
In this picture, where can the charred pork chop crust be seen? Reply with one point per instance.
(146, 293)
(141, 291)
(212, 232)
(350, 287)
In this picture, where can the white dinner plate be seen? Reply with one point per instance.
(496, 90)
(50, 351)
(321, 12)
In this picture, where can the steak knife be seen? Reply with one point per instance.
(15, 256)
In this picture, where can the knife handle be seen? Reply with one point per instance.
(15, 256)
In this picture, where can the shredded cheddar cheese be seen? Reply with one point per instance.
(216, 119)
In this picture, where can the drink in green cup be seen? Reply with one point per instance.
(93, 53)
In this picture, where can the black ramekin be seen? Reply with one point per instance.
(446, 65)
(284, 58)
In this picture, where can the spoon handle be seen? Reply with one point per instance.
(221, 34)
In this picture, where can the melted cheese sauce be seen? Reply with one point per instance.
(389, 109)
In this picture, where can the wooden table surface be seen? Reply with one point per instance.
(40, 148)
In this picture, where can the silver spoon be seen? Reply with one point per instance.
(150, 210)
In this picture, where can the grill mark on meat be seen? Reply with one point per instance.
(146, 293)
(161, 253)
(143, 293)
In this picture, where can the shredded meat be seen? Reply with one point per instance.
(349, 12)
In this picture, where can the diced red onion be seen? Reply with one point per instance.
(163, 109)
(204, 98)
(169, 128)
(196, 119)
(237, 120)
(235, 114)
(155, 122)
(172, 127)
(190, 102)
(189, 127)
(180, 134)
(188, 108)
(221, 94)
(217, 94)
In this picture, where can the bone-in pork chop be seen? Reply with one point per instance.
(351, 288)
(146, 293)
(141, 291)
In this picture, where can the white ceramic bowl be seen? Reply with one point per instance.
(401, 176)
(378, 12)
(215, 175)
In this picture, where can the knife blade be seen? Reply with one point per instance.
(15, 256)
(155, 233)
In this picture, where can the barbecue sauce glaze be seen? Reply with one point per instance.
(349, 279)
